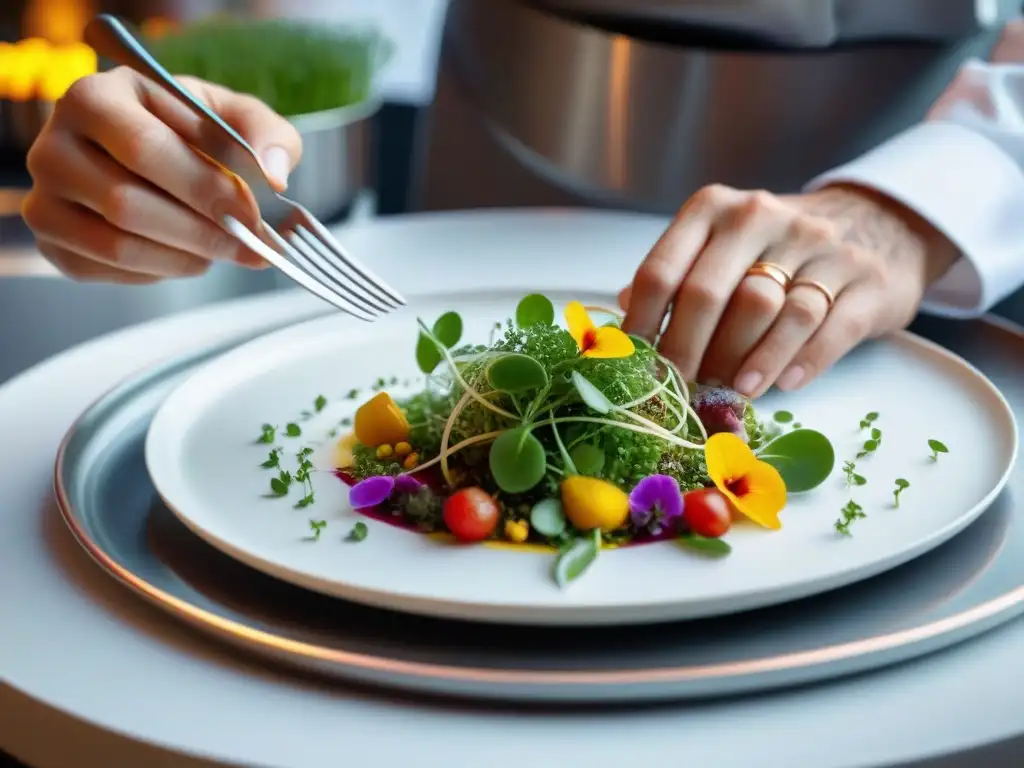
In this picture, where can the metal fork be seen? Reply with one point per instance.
(304, 249)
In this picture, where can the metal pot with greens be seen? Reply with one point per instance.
(319, 77)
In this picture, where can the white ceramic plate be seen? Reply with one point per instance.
(204, 463)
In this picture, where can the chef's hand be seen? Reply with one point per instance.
(117, 195)
(744, 329)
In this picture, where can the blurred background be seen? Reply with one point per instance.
(424, 105)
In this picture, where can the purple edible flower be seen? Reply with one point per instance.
(407, 484)
(378, 489)
(720, 409)
(655, 502)
(371, 491)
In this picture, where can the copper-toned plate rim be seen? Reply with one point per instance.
(313, 654)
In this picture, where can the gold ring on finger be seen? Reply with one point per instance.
(818, 286)
(772, 271)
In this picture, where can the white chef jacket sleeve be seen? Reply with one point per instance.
(962, 170)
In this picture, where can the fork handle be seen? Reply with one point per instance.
(108, 37)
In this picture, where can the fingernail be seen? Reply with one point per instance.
(278, 164)
(748, 382)
(791, 377)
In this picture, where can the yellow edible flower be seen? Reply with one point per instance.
(605, 342)
(593, 503)
(379, 420)
(754, 487)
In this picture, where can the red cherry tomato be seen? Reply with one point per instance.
(471, 514)
(707, 512)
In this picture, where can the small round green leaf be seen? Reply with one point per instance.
(427, 356)
(589, 459)
(574, 561)
(517, 461)
(548, 518)
(783, 417)
(535, 309)
(516, 373)
(591, 395)
(804, 458)
(448, 329)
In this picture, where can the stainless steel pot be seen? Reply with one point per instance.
(337, 153)
(337, 160)
(623, 120)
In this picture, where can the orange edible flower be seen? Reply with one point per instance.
(605, 342)
(754, 487)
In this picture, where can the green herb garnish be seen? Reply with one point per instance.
(852, 511)
(273, 459)
(302, 475)
(293, 430)
(868, 420)
(316, 527)
(937, 448)
(320, 403)
(869, 447)
(783, 417)
(279, 485)
(267, 434)
(576, 558)
(704, 545)
(901, 485)
(852, 478)
(358, 533)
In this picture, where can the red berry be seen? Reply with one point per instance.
(707, 512)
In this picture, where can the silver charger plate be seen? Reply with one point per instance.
(957, 591)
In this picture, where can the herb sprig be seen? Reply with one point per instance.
(847, 515)
(901, 485)
(850, 471)
(937, 448)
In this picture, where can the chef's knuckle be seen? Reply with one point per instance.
(805, 308)
(712, 196)
(758, 297)
(120, 204)
(656, 277)
(702, 295)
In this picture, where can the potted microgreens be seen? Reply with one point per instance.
(319, 77)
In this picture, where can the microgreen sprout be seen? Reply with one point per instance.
(273, 460)
(358, 533)
(316, 527)
(302, 475)
(869, 419)
(937, 448)
(869, 447)
(901, 485)
(850, 471)
(850, 512)
(279, 485)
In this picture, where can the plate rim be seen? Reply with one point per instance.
(633, 613)
(360, 663)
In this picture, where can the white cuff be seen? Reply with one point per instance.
(966, 187)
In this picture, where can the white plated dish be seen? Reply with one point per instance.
(204, 463)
